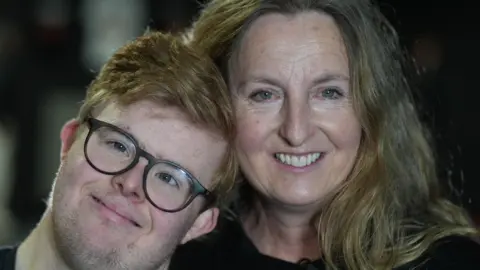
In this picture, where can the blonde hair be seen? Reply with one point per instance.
(391, 205)
(159, 67)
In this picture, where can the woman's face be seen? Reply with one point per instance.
(298, 135)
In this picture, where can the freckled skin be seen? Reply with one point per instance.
(291, 95)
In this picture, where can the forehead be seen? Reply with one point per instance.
(167, 133)
(305, 43)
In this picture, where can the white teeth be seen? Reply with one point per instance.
(298, 161)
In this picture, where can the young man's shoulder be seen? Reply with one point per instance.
(7, 257)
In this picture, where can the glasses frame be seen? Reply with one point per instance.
(198, 189)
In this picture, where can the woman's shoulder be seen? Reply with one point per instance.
(453, 252)
(228, 246)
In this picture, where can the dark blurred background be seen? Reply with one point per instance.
(51, 49)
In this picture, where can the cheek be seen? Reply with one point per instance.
(74, 177)
(82, 173)
(251, 131)
(168, 225)
(348, 132)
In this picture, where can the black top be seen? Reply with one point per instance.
(7, 258)
(229, 248)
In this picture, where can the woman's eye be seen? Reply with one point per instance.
(261, 96)
(331, 93)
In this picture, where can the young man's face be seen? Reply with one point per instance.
(105, 221)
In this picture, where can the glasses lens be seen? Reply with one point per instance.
(168, 186)
(109, 150)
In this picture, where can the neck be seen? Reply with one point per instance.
(39, 251)
(282, 232)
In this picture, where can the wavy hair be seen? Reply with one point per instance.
(392, 205)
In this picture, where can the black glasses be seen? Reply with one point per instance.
(113, 151)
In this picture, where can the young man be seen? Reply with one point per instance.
(142, 165)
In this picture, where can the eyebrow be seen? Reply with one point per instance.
(328, 77)
(324, 78)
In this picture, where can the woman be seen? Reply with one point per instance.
(337, 169)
